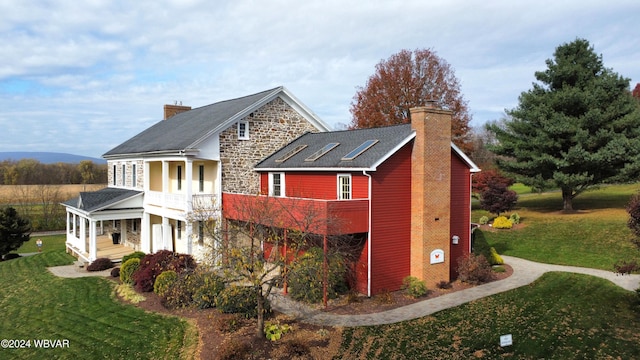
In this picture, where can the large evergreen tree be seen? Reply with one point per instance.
(578, 127)
(14, 230)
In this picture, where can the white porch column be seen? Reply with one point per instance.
(188, 165)
(93, 243)
(166, 234)
(83, 234)
(145, 234)
(75, 234)
(145, 175)
(165, 181)
(188, 232)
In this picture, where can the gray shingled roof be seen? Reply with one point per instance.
(388, 139)
(183, 130)
(95, 200)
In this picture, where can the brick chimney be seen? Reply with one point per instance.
(431, 194)
(172, 110)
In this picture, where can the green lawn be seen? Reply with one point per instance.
(560, 316)
(38, 305)
(594, 236)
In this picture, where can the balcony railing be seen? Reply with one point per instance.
(178, 201)
(324, 217)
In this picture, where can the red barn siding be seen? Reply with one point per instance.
(391, 222)
(460, 211)
(318, 185)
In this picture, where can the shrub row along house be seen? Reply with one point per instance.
(402, 193)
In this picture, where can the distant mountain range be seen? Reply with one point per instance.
(48, 157)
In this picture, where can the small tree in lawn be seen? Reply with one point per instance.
(496, 198)
(237, 246)
(14, 230)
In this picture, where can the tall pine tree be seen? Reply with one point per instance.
(14, 230)
(577, 128)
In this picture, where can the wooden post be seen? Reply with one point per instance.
(284, 288)
(326, 271)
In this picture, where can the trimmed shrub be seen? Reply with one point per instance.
(115, 272)
(164, 281)
(133, 255)
(305, 277)
(484, 220)
(152, 265)
(128, 269)
(501, 222)
(193, 288)
(514, 218)
(209, 287)
(100, 264)
(414, 287)
(240, 300)
(494, 257)
(474, 269)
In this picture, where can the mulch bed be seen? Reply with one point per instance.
(322, 342)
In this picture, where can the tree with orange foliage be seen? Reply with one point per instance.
(410, 79)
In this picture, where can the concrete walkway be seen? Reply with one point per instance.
(524, 272)
(75, 271)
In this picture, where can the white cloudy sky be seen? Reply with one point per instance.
(83, 76)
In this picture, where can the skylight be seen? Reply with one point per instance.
(289, 154)
(359, 150)
(316, 155)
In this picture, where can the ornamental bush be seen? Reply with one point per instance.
(100, 264)
(115, 272)
(305, 276)
(193, 288)
(241, 300)
(494, 257)
(514, 218)
(152, 265)
(133, 255)
(474, 269)
(414, 287)
(128, 269)
(484, 220)
(164, 281)
(501, 222)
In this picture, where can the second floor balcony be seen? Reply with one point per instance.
(324, 217)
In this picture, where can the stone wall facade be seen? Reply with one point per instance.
(271, 127)
(139, 179)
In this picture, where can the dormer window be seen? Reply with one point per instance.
(243, 130)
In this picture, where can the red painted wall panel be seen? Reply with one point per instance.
(391, 222)
(460, 211)
(323, 185)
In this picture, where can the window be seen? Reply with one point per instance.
(359, 150)
(243, 130)
(344, 186)
(276, 184)
(200, 232)
(201, 178)
(316, 155)
(179, 229)
(134, 225)
(124, 174)
(133, 175)
(179, 176)
(114, 175)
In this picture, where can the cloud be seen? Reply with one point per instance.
(84, 76)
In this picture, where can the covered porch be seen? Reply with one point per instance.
(105, 248)
(102, 224)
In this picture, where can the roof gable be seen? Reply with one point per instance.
(186, 130)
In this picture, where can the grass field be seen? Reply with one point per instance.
(560, 316)
(13, 194)
(83, 311)
(594, 236)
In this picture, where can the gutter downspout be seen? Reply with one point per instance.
(364, 172)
